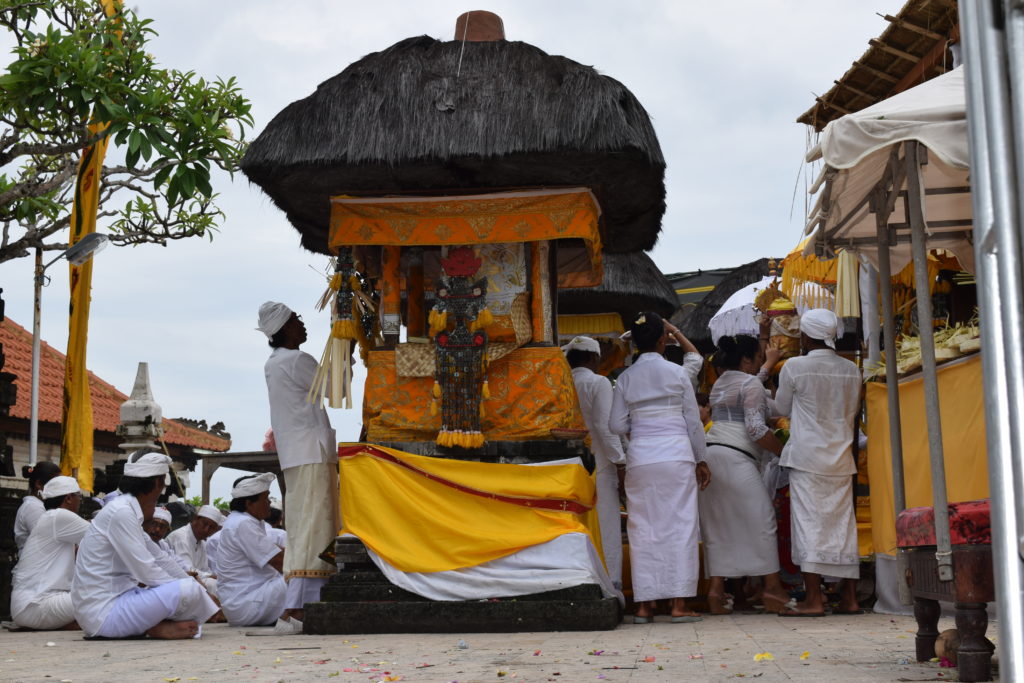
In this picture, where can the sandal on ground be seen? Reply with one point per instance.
(641, 620)
(687, 619)
(773, 605)
(720, 606)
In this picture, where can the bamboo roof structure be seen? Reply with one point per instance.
(914, 48)
(632, 283)
(433, 117)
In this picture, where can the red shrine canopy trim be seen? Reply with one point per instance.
(522, 216)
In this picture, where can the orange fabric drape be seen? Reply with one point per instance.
(531, 390)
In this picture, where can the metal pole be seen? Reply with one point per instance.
(994, 183)
(892, 389)
(33, 429)
(915, 201)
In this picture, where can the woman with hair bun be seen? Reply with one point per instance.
(31, 508)
(654, 404)
(736, 515)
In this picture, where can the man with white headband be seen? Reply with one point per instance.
(157, 529)
(820, 392)
(116, 556)
(189, 544)
(595, 396)
(41, 589)
(249, 580)
(307, 451)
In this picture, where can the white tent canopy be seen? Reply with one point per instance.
(863, 149)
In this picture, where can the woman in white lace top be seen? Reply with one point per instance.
(736, 515)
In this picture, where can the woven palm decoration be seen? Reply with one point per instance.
(457, 324)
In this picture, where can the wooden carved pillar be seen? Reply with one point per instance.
(415, 320)
(391, 295)
(540, 291)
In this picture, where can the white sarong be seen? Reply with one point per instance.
(661, 499)
(140, 609)
(737, 520)
(610, 519)
(312, 519)
(824, 525)
(47, 613)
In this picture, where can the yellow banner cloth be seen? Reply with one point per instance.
(76, 435)
(963, 441)
(524, 216)
(532, 392)
(425, 514)
(590, 324)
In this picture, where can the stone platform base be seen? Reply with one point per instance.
(359, 599)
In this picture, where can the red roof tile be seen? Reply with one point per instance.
(106, 400)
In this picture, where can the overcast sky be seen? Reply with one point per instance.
(723, 83)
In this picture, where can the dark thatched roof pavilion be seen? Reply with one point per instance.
(449, 117)
(632, 283)
(693, 321)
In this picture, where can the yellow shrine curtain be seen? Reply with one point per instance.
(425, 514)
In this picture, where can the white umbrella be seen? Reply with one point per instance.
(737, 314)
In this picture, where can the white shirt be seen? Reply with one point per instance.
(279, 537)
(211, 550)
(47, 562)
(739, 406)
(595, 394)
(693, 363)
(114, 557)
(654, 399)
(301, 429)
(183, 543)
(29, 512)
(167, 559)
(821, 394)
(243, 555)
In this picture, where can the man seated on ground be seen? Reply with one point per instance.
(189, 544)
(249, 581)
(157, 529)
(41, 590)
(115, 557)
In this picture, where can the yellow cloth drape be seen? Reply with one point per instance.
(76, 436)
(963, 440)
(524, 216)
(425, 514)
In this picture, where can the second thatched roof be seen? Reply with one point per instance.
(632, 283)
(445, 117)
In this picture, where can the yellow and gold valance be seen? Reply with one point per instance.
(522, 216)
(590, 324)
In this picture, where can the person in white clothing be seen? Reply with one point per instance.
(307, 451)
(157, 529)
(820, 392)
(249, 581)
(737, 520)
(31, 508)
(41, 588)
(654, 403)
(189, 544)
(116, 556)
(595, 396)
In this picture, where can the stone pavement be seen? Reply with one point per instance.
(871, 647)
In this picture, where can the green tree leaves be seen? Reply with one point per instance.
(168, 129)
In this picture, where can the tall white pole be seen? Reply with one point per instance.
(33, 439)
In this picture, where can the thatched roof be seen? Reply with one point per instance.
(913, 48)
(693, 321)
(422, 117)
(632, 283)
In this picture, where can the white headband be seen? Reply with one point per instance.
(252, 486)
(821, 324)
(148, 465)
(163, 514)
(273, 316)
(60, 486)
(583, 344)
(211, 513)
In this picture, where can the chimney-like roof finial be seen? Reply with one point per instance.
(479, 26)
